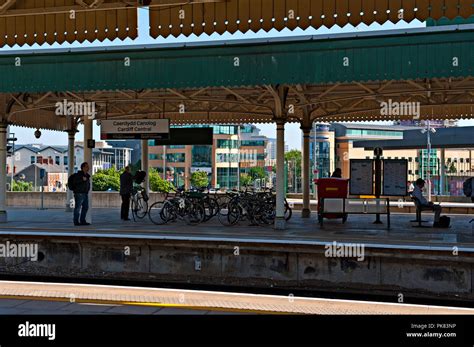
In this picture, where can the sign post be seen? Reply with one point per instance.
(42, 174)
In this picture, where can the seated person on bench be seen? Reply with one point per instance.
(425, 204)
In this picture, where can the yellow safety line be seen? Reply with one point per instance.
(137, 303)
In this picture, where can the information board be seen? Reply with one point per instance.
(187, 136)
(362, 177)
(134, 129)
(395, 177)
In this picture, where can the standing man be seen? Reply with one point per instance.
(126, 188)
(81, 189)
(418, 193)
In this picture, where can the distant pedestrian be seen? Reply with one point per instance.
(80, 186)
(126, 189)
(337, 173)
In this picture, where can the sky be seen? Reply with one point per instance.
(292, 131)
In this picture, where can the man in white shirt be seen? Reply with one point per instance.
(427, 205)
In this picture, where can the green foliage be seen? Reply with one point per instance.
(104, 180)
(21, 186)
(257, 173)
(158, 184)
(294, 157)
(199, 179)
(245, 180)
(452, 168)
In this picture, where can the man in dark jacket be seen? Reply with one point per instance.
(81, 190)
(126, 188)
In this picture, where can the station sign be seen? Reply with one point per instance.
(137, 129)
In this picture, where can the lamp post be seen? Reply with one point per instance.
(428, 131)
(12, 140)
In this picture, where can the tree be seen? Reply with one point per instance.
(158, 184)
(256, 173)
(199, 179)
(104, 180)
(294, 156)
(22, 186)
(245, 179)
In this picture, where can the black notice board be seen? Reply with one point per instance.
(187, 136)
(395, 177)
(361, 177)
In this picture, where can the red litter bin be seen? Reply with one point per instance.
(331, 188)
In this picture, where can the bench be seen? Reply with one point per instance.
(419, 209)
(347, 206)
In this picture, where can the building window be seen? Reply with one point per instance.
(225, 129)
(252, 143)
(175, 157)
(227, 177)
(202, 156)
(32, 159)
(176, 147)
(57, 160)
(65, 161)
(154, 156)
(227, 157)
(227, 143)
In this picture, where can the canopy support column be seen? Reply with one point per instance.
(3, 172)
(144, 161)
(70, 161)
(88, 135)
(280, 222)
(306, 212)
(3, 158)
(280, 93)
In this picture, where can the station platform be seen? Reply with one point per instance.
(30, 298)
(305, 231)
(429, 263)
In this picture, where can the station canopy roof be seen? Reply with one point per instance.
(57, 21)
(39, 21)
(220, 16)
(457, 137)
(336, 78)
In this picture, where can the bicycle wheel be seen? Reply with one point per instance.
(133, 204)
(141, 208)
(195, 213)
(223, 214)
(235, 213)
(155, 213)
(211, 208)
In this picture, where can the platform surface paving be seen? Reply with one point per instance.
(53, 298)
(358, 228)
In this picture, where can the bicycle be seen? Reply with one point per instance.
(139, 201)
(182, 205)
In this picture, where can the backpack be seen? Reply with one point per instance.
(140, 177)
(71, 181)
(467, 187)
(444, 222)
